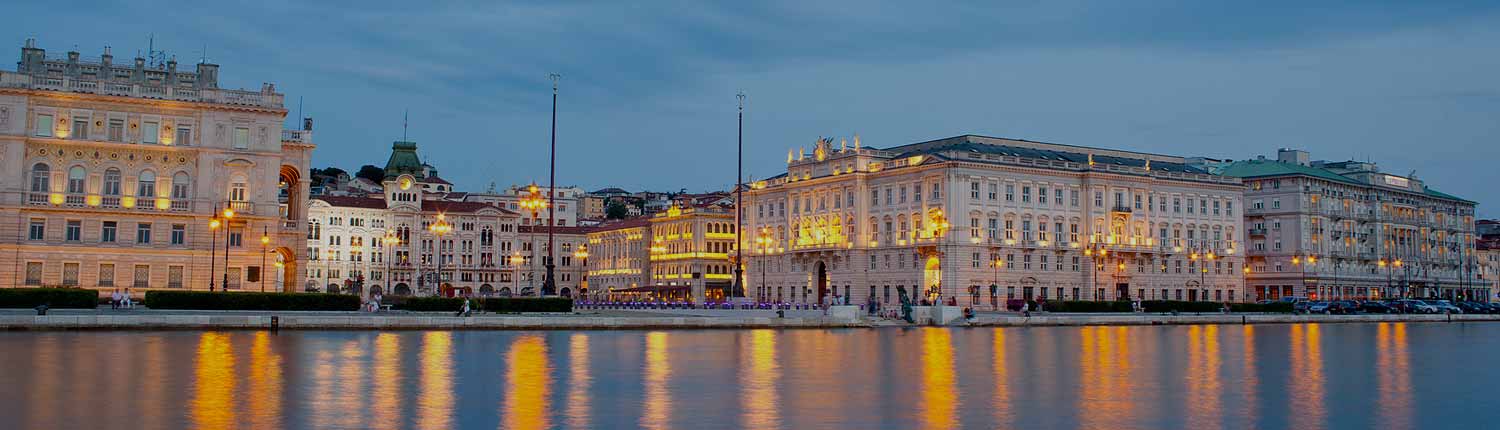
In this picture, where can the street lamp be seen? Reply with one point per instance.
(737, 289)
(996, 263)
(265, 239)
(1207, 256)
(533, 202)
(390, 240)
(763, 243)
(515, 262)
(228, 217)
(1097, 252)
(582, 254)
(548, 284)
(213, 246)
(440, 229)
(328, 270)
(658, 250)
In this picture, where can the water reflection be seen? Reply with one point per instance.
(1248, 381)
(436, 400)
(1001, 405)
(352, 377)
(939, 393)
(1307, 381)
(530, 384)
(47, 372)
(1393, 376)
(213, 406)
(384, 409)
(580, 381)
(759, 399)
(1203, 401)
(1104, 363)
(265, 383)
(657, 408)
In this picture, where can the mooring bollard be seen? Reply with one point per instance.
(275, 323)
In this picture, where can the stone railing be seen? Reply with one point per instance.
(130, 89)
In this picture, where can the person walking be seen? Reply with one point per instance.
(464, 309)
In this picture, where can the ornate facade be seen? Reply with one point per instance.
(117, 172)
(983, 219)
(1323, 229)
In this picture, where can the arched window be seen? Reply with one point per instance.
(146, 184)
(76, 178)
(112, 182)
(180, 185)
(41, 178)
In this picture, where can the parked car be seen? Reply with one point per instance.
(1473, 308)
(1444, 306)
(1318, 307)
(1375, 307)
(1416, 307)
(1346, 307)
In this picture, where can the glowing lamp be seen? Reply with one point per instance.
(93, 200)
(163, 203)
(127, 202)
(56, 198)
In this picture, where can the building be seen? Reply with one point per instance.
(568, 272)
(117, 171)
(1321, 229)
(591, 207)
(689, 251)
(1487, 266)
(365, 245)
(567, 199)
(619, 259)
(971, 216)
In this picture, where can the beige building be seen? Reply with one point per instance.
(619, 262)
(568, 271)
(690, 249)
(949, 218)
(116, 170)
(1322, 229)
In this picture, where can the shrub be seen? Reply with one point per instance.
(429, 304)
(527, 304)
(1179, 306)
(1087, 306)
(1273, 307)
(204, 300)
(77, 298)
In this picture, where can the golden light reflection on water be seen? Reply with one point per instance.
(47, 372)
(1104, 367)
(530, 381)
(1306, 378)
(435, 404)
(384, 410)
(1248, 382)
(213, 406)
(579, 381)
(657, 409)
(352, 378)
(939, 392)
(1393, 376)
(323, 413)
(1001, 404)
(1204, 402)
(265, 383)
(760, 402)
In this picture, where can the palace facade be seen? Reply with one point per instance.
(1322, 229)
(120, 175)
(982, 219)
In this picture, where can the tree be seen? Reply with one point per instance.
(615, 210)
(374, 174)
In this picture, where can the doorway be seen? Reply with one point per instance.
(822, 281)
(1122, 291)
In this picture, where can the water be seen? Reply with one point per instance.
(1394, 376)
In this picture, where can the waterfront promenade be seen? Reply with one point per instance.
(145, 319)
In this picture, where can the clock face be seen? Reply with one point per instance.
(406, 183)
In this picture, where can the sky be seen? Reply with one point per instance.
(647, 94)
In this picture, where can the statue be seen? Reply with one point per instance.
(905, 305)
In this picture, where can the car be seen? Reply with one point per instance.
(1374, 307)
(1473, 308)
(1318, 307)
(1491, 308)
(1419, 307)
(1444, 306)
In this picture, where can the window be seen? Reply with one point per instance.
(241, 137)
(184, 135)
(107, 275)
(74, 230)
(117, 130)
(142, 278)
(174, 276)
(236, 238)
(150, 132)
(179, 234)
(112, 182)
(33, 273)
(233, 275)
(76, 178)
(41, 178)
(146, 184)
(80, 128)
(107, 234)
(143, 232)
(974, 191)
(180, 186)
(44, 125)
(252, 274)
(38, 230)
(1010, 193)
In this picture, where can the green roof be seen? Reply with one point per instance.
(403, 160)
(1442, 195)
(1269, 168)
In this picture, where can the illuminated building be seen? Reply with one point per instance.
(121, 174)
(951, 217)
(678, 254)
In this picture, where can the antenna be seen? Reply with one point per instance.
(405, 117)
(300, 116)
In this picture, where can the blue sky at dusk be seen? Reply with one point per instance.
(648, 89)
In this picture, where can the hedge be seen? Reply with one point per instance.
(427, 304)
(1273, 307)
(76, 298)
(204, 300)
(528, 304)
(1086, 306)
(1180, 306)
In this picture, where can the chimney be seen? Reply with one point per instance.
(138, 74)
(208, 75)
(106, 60)
(32, 58)
(172, 71)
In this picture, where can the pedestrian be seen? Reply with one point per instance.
(114, 299)
(125, 300)
(464, 309)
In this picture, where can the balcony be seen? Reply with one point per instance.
(1257, 232)
(1121, 209)
(247, 208)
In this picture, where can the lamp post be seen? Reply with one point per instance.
(1207, 256)
(515, 262)
(356, 253)
(533, 202)
(390, 240)
(996, 263)
(549, 286)
(1097, 252)
(1302, 264)
(328, 270)
(213, 246)
(228, 217)
(657, 250)
(737, 290)
(582, 254)
(763, 242)
(265, 239)
(440, 229)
